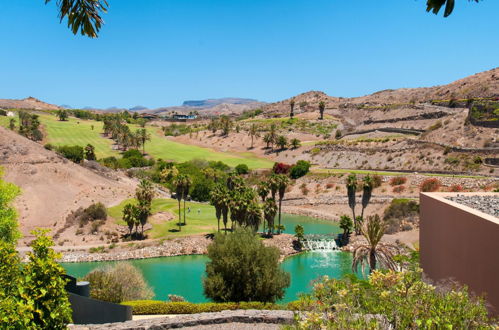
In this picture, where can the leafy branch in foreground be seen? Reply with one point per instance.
(82, 15)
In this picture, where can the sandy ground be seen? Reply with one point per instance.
(51, 186)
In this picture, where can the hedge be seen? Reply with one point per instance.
(151, 307)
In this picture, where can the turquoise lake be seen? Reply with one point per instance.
(182, 275)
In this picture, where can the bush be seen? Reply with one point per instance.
(49, 146)
(300, 169)
(242, 169)
(201, 189)
(398, 180)
(456, 188)
(117, 283)
(398, 211)
(73, 153)
(132, 153)
(430, 185)
(402, 299)
(452, 160)
(154, 307)
(96, 211)
(281, 168)
(3, 112)
(239, 264)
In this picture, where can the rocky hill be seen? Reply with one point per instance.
(52, 187)
(483, 84)
(29, 103)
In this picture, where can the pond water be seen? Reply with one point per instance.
(182, 275)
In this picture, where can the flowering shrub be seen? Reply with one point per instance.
(430, 185)
(397, 299)
(281, 168)
(398, 180)
(456, 188)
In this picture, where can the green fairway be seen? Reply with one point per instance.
(79, 132)
(203, 222)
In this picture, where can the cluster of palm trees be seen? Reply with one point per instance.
(236, 200)
(182, 183)
(224, 123)
(322, 107)
(367, 188)
(120, 132)
(137, 215)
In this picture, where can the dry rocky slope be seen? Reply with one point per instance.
(52, 186)
(27, 103)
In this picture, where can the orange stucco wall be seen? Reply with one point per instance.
(459, 243)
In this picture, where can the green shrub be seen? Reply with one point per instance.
(242, 169)
(132, 153)
(96, 211)
(300, 169)
(118, 283)
(3, 112)
(154, 307)
(73, 153)
(48, 146)
(239, 264)
(452, 160)
(398, 211)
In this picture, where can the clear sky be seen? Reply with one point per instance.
(161, 52)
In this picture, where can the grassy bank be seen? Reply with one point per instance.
(202, 222)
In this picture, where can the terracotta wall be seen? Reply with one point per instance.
(460, 243)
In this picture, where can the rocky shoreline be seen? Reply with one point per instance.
(191, 245)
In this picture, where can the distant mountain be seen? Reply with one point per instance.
(138, 108)
(29, 103)
(209, 103)
(65, 106)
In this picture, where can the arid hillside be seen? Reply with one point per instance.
(52, 187)
(29, 103)
(483, 84)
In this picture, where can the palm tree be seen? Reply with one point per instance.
(282, 142)
(295, 143)
(269, 213)
(279, 183)
(143, 136)
(62, 114)
(129, 216)
(292, 108)
(178, 183)
(253, 215)
(267, 138)
(253, 132)
(373, 253)
(368, 184)
(187, 186)
(351, 190)
(322, 106)
(216, 197)
(144, 194)
(263, 190)
(273, 134)
(346, 224)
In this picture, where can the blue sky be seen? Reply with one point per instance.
(161, 52)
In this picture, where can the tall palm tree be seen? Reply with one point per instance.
(373, 253)
(216, 197)
(351, 190)
(269, 213)
(253, 132)
(263, 190)
(368, 184)
(292, 108)
(129, 217)
(144, 194)
(178, 183)
(322, 106)
(273, 134)
(143, 137)
(254, 215)
(279, 183)
(185, 191)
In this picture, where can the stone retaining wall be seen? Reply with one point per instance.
(254, 317)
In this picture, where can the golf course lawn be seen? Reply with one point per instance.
(202, 222)
(79, 132)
